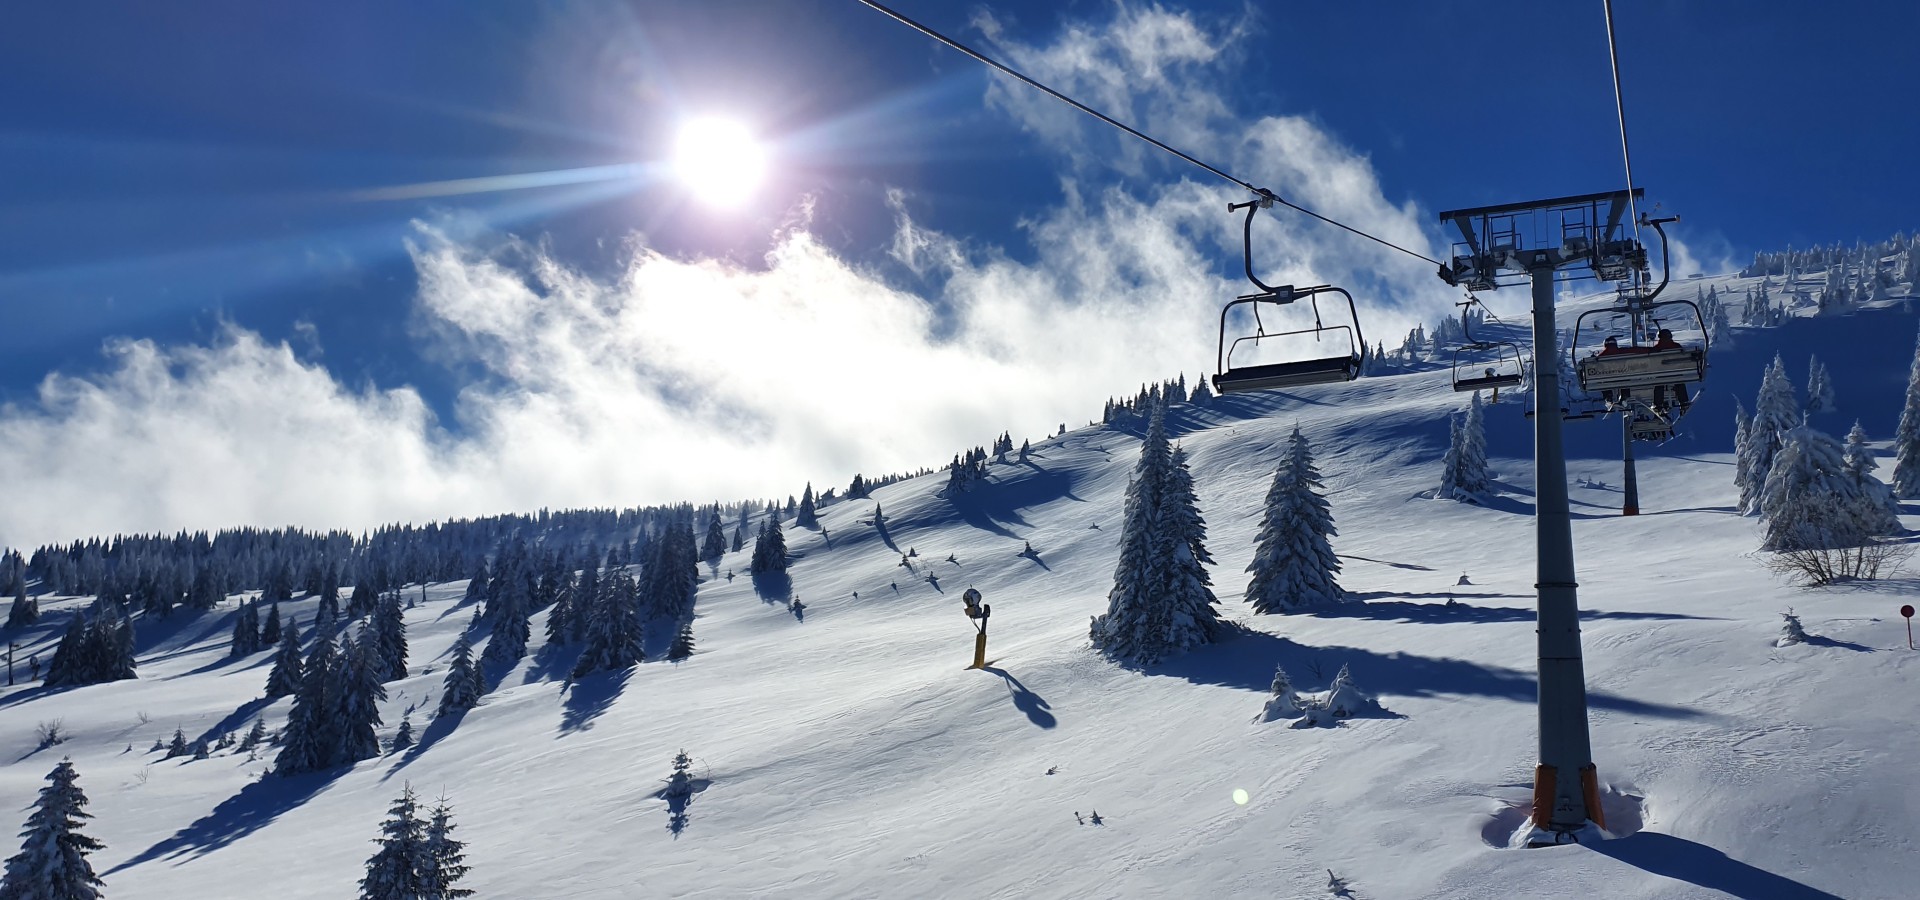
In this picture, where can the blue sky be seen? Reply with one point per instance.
(195, 175)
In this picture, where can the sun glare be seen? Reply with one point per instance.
(719, 161)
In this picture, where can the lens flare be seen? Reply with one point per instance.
(1240, 796)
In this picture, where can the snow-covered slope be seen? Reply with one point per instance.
(850, 755)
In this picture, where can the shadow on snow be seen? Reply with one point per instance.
(1703, 866)
(1246, 660)
(1036, 708)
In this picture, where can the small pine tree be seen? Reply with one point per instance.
(770, 549)
(1790, 631)
(52, 862)
(1282, 702)
(446, 857)
(716, 541)
(403, 737)
(682, 646)
(807, 516)
(1819, 387)
(254, 735)
(200, 750)
(394, 872)
(462, 689)
(178, 747)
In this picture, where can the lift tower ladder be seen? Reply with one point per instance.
(1504, 245)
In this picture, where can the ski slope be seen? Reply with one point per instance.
(848, 754)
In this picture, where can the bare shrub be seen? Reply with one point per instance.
(1823, 566)
(50, 733)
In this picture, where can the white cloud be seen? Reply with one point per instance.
(701, 379)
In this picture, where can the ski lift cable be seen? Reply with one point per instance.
(1620, 106)
(1264, 194)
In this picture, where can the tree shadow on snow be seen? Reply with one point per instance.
(240, 716)
(1036, 708)
(677, 803)
(1246, 659)
(240, 664)
(437, 727)
(774, 587)
(1823, 641)
(1385, 562)
(1400, 611)
(1703, 866)
(255, 807)
(590, 697)
(549, 662)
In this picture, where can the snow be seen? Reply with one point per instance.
(849, 754)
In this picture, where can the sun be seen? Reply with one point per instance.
(719, 160)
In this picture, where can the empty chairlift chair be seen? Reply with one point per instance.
(1319, 368)
(1482, 364)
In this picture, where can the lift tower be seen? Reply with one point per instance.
(1536, 241)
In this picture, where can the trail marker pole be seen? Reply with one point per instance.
(1906, 610)
(978, 612)
(1631, 506)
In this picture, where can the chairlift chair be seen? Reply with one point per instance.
(1470, 356)
(1321, 369)
(1653, 377)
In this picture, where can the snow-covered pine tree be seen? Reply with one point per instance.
(1293, 562)
(1742, 461)
(1282, 702)
(464, 684)
(613, 629)
(716, 542)
(178, 746)
(682, 646)
(357, 699)
(560, 621)
(284, 677)
(361, 601)
(446, 856)
(393, 872)
(254, 735)
(1157, 606)
(477, 585)
(1790, 630)
(770, 550)
(1878, 510)
(511, 628)
(403, 736)
(389, 639)
(270, 631)
(1450, 462)
(52, 862)
(312, 733)
(25, 610)
(1906, 438)
(1808, 501)
(1473, 479)
(1819, 387)
(246, 631)
(807, 516)
(1775, 412)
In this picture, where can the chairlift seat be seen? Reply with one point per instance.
(1287, 374)
(1484, 382)
(1628, 371)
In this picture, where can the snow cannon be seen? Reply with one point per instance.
(978, 612)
